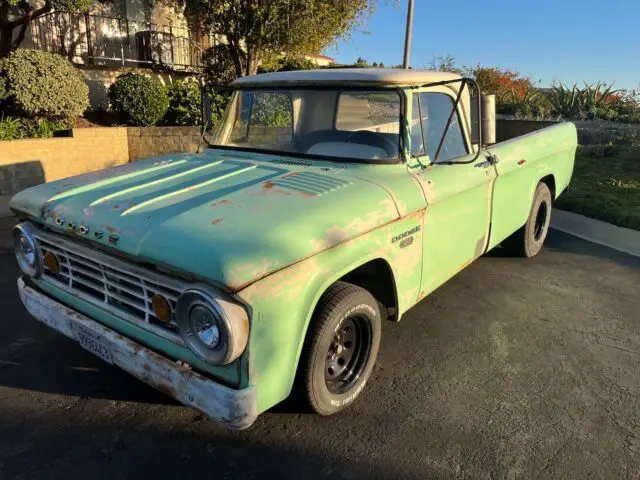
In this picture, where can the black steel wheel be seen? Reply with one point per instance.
(340, 348)
(529, 240)
(348, 354)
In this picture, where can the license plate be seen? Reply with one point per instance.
(92, 341)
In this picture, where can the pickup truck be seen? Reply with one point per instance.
(324, 203)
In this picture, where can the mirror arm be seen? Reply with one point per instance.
(453, 111)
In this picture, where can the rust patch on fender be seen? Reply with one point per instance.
(268, 185)
(217, 221)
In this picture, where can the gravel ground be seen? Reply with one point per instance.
(514, 369)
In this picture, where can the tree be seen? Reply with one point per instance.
(256, 29)
(17, 14)
(445, 63)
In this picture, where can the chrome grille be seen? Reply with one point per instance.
(112, 284)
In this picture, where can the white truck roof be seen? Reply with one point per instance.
(346, 76)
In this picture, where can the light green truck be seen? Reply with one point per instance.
(327, 202)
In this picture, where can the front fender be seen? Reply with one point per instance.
(283, 303)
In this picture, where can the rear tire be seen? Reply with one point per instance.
(528, 240)
(340, 349)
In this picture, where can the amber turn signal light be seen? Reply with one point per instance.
(161, 308)
(51, 262)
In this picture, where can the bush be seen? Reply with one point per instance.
(3, 83)
(138, 100)
(504, 84)
(184, 104)
(18, 128)
(218, 101)
(44, 85)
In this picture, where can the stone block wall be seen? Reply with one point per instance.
(153, 141)
(24, 163)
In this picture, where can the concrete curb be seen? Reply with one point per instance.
(618, 238)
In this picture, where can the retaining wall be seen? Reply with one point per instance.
(24, 163)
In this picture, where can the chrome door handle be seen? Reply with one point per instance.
(492, 160)
(484, 164)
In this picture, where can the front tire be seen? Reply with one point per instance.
(528, 240)
(340, 349)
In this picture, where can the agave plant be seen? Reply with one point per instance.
(596, 100)
(566, 101)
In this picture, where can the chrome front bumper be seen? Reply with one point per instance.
(234, 408)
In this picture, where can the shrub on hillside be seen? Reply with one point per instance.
(42, 85)
(184, 104)
(138, 100)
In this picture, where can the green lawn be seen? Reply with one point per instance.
(606, 188)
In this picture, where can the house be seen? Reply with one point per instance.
(146, 36)
(130, 35)
(320, 60)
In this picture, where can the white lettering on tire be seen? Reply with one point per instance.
(352, 310)
(350, 398)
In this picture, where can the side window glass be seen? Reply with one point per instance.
(436, 108)
(415, 129)
(264, 118)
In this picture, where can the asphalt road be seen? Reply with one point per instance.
(514, 369)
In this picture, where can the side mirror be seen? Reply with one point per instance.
(206, 109)
(487, 119)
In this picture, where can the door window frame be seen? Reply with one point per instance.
(465, 124)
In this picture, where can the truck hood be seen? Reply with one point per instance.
(227, 217)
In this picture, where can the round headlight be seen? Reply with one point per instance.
(26, 251)
(208, 330)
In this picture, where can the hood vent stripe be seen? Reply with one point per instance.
(311, 183)
(186, 189)
(154, 182)
(118, 178)
(291, 163)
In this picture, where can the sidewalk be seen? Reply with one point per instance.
(622, 239)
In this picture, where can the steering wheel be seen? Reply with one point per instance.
(366, 137)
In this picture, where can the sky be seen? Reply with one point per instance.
(562, 40)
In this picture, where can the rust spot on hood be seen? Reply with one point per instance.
(268, 185)
(221, 202)
(217, 221)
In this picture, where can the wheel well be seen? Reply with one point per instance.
(376, 277)
(550, 182)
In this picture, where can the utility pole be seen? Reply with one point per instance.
(407, 38)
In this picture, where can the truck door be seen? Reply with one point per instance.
(457, 193)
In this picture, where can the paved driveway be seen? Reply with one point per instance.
(514, 369)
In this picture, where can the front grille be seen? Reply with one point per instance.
(111, 284)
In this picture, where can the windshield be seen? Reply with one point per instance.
(345, 124)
